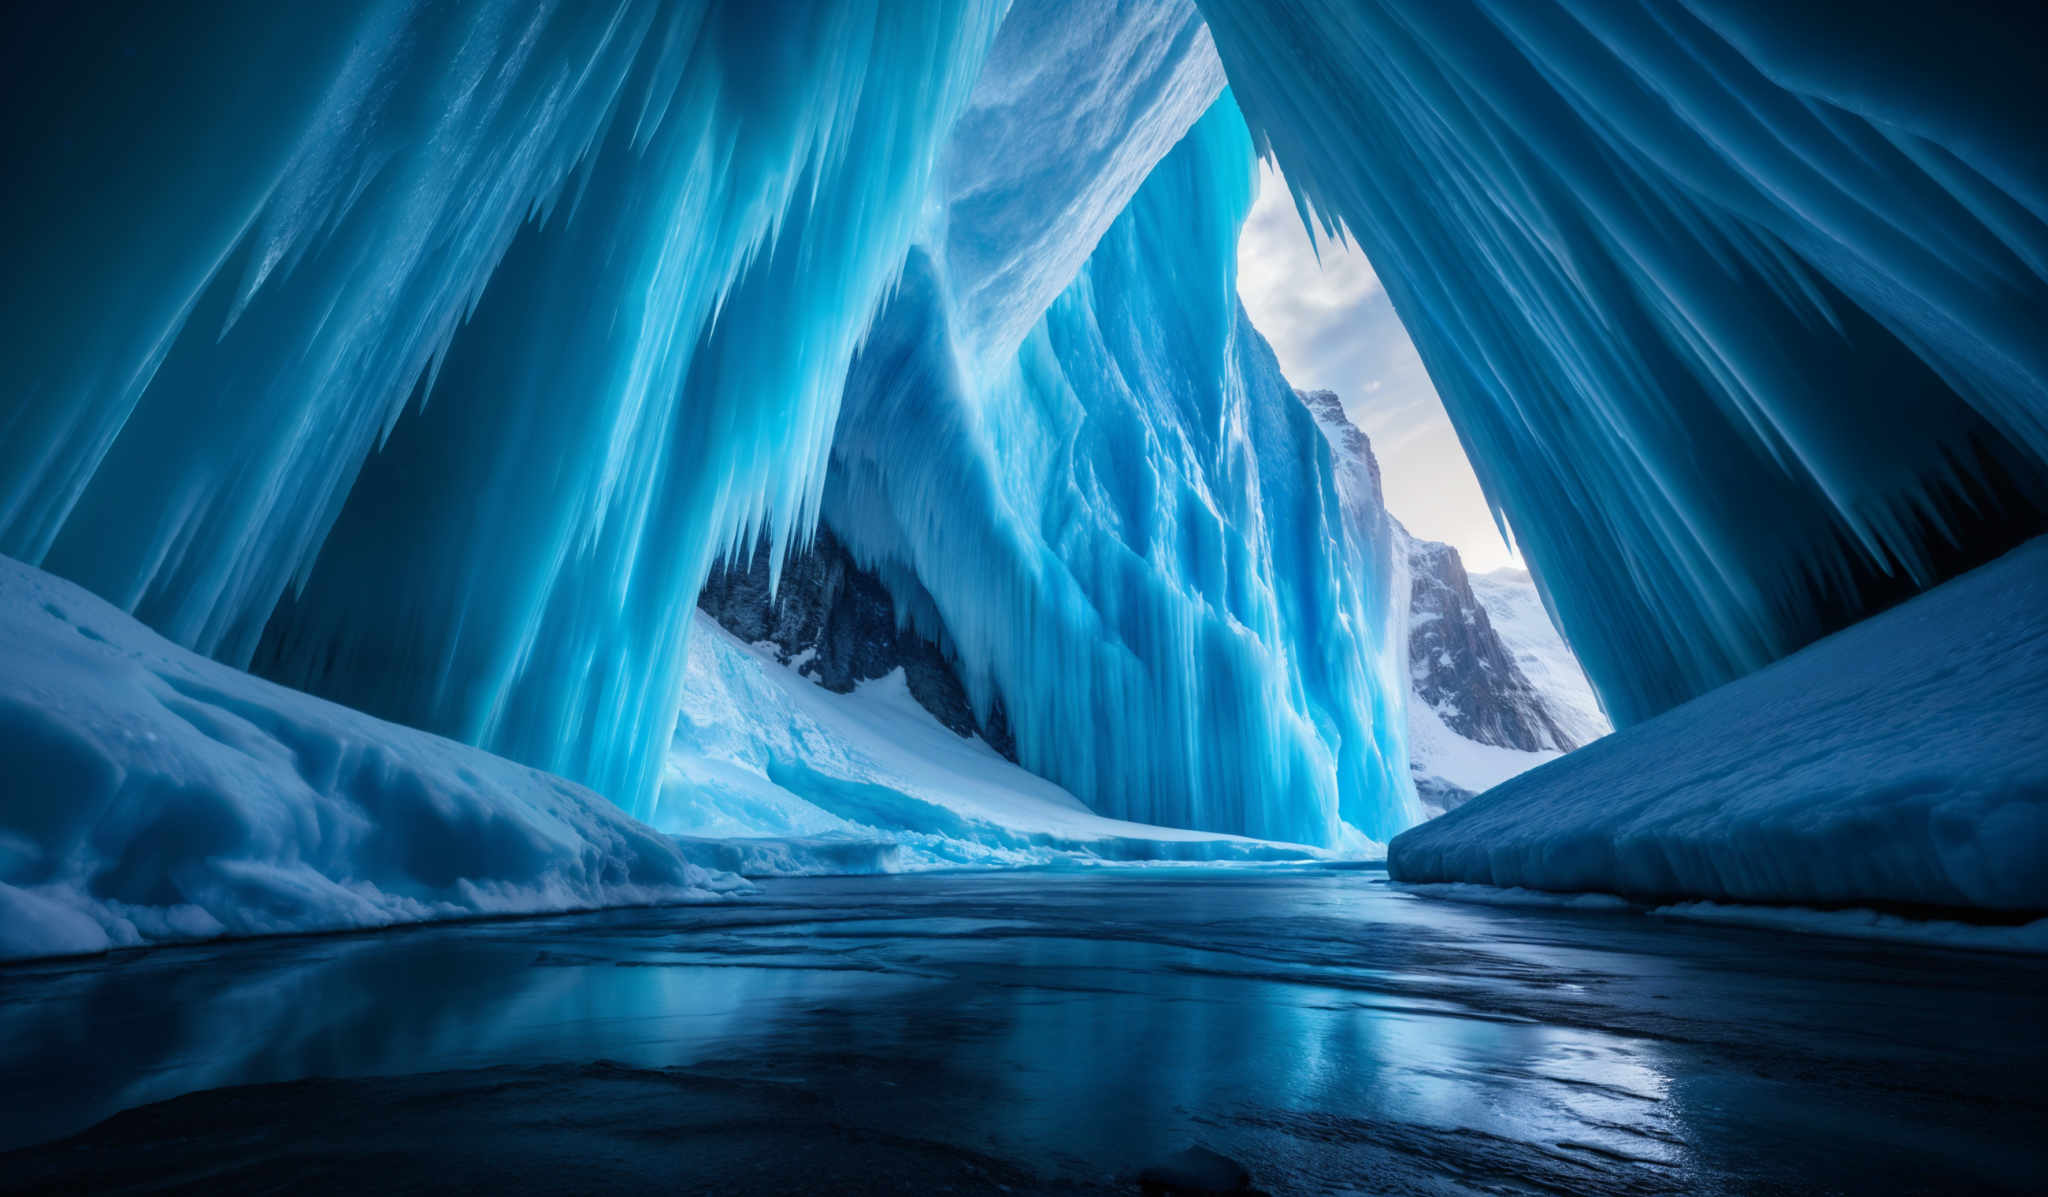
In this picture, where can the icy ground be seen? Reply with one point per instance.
(772, 774)
(1048, 1033)
(150, 795)
(1901, 762)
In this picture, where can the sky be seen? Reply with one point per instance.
(1333, 328)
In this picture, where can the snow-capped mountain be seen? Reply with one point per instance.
(1493, 689)
(1518, 617)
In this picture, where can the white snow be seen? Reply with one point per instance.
(773, 774)
(149, 795)
(1526, 631)
(1902, 762)
(1435, 751)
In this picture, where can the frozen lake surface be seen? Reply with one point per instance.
(1046, 1031)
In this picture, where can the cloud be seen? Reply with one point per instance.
(1332, 325)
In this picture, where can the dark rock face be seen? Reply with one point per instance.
(838, 622)
(1458, 665)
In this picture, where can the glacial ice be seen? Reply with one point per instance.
(772, 774)
(424, 355)
(1131, 532)
(1736, 307)
(1902, 761)
(152, 796)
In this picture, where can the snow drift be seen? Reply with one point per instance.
(1903, 761)
(774, 774)
(149, 795)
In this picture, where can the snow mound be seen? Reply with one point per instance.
(775, 775)
(148, 795)
(1903, 761)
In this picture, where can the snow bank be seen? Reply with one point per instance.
(149, 795)
(1903, 761)
(773, 775)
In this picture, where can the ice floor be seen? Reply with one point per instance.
(1044, 1031)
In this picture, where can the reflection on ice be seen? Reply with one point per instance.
(1060, 1031)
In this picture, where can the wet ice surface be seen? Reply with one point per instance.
(1050, 1032)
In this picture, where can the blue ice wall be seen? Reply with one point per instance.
(470, 332)
(1740, 309)
(1130, 529)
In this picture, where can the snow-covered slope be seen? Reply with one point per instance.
(1901, 761)
(1515, 610)
(149, 795)
(773, 773)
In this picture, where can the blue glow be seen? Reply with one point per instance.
(1131, 532)
(471, 332)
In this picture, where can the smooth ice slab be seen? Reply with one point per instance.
(1902, 761)
(152, 795)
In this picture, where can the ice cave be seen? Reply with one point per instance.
(1032, 596)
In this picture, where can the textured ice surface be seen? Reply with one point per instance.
(586, 277)
(1901, 761)
(1131, 532)
(1740, 309)
(424, 356)
(149, 795)
(773, 774)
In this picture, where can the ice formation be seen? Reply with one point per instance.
(1130, 531)
(441, 393)
(1459, 671)
(773, 774)
(426, 356)
(1899, 762)
(152, 795)
(1737, 307)
(470, 332)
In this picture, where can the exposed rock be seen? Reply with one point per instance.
(1458, 665)
(836, 623)
(1474, 714)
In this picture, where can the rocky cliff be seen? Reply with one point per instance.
(838, 625)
